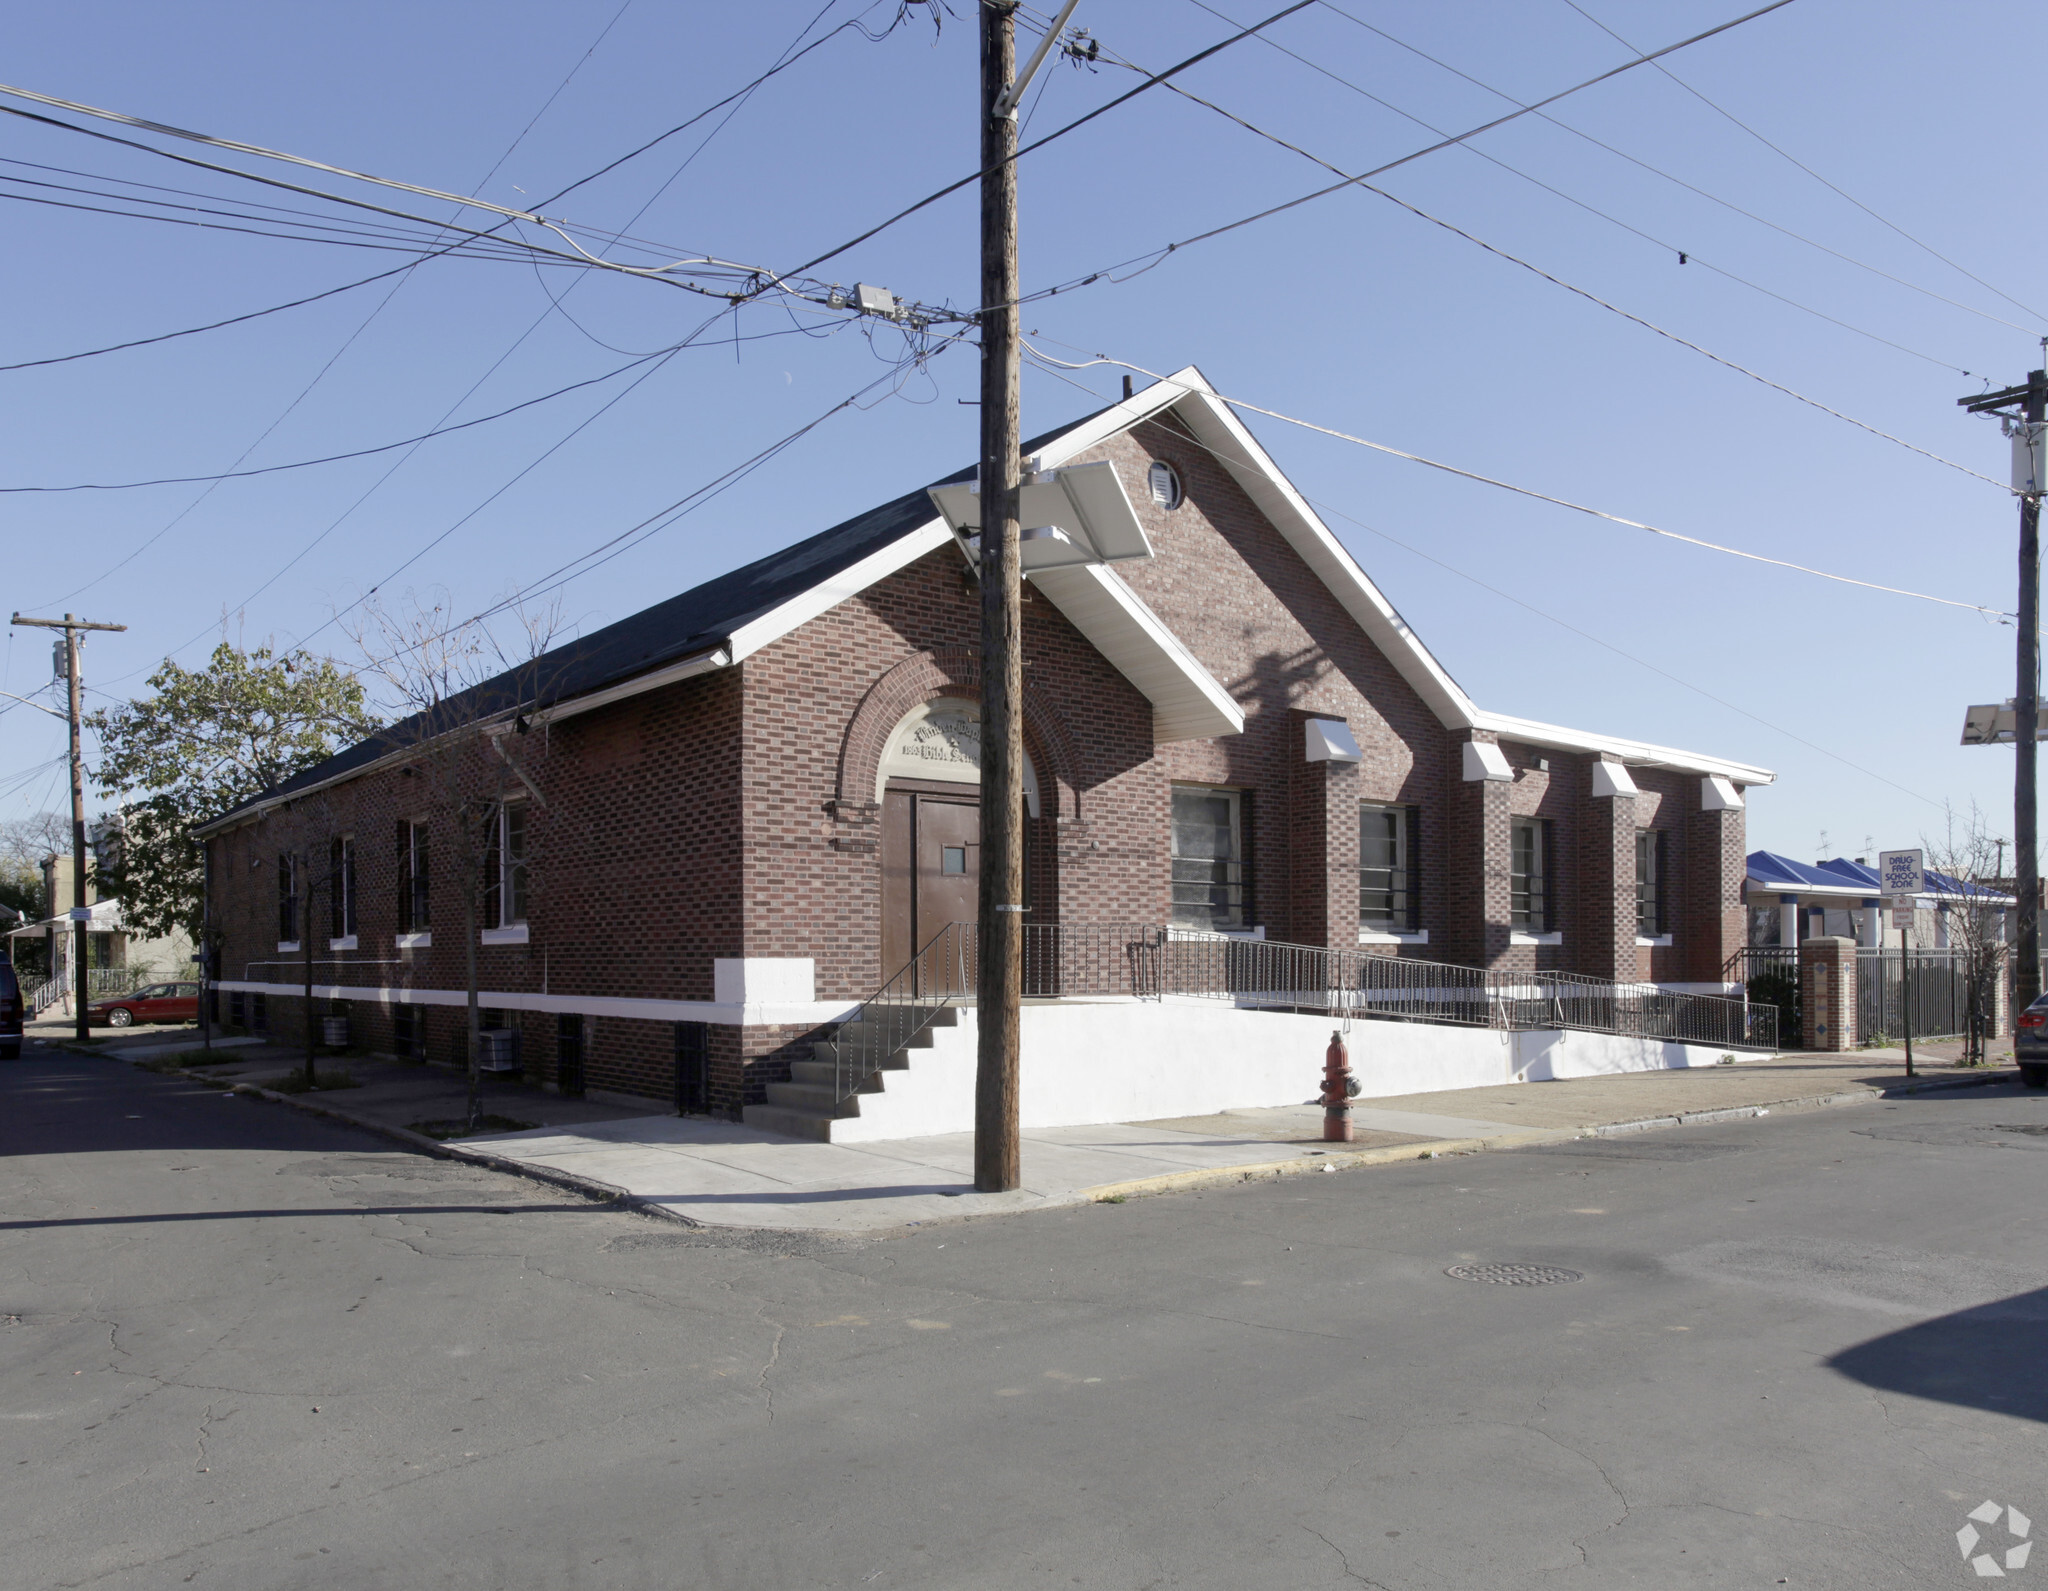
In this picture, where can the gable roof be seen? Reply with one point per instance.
(727, 619)
(1843, 876)
(1214, 425)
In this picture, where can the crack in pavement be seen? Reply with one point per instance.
(1343, 1558)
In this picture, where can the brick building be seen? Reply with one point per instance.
(692, 841)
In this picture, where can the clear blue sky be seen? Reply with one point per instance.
(1348, 311)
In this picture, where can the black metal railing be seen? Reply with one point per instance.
(1932, 986)
(942, 974)
(1149, 962)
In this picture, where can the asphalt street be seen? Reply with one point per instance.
(240, 1347)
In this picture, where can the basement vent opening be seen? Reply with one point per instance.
(1514, 1275)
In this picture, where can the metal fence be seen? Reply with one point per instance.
(46, 992)
(1148, 962)
(1932, 986)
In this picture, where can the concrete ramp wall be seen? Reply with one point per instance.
(1086, 1064)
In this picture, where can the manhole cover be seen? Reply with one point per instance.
(1514, 1275)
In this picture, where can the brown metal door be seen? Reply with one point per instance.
(948, 876)
(931, 873)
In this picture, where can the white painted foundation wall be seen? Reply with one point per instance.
(1086, 1064)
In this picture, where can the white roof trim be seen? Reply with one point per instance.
(1217, 427)
(1187, 703)
(688, 668)
(1636, 752)
(827, 594)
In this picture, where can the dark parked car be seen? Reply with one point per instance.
(159, 1002)
(10, 1013)
(2030, 1044)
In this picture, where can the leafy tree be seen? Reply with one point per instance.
(201, 742)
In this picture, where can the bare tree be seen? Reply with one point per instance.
(298, 840)
(1973, 913)
(466, 695)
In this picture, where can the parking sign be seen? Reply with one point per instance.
(1901, 872)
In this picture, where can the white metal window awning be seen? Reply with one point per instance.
(1076, 515)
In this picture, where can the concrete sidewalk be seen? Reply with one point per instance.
(718, 1173)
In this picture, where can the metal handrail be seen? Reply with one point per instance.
(1112, 961)
(885, 1023)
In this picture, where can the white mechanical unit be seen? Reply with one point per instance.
(1076, 515)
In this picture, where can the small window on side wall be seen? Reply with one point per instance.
(1651, 894)
(505, 866)
(1208, 858)
(1531, 893)
(413, 917)
(1389, 900)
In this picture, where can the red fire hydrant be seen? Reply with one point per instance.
(1339, 1089)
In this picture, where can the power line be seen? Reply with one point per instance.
(1155, 257)
(1658, 171)
(555, 307)
(1040, 143)
(1544, 497)
(337, 458)
(1690, 255)
(661, 519)
(382, 447)
(403, 275)
(1590, 297)
(190, 331)
(1507, 596)
(1817, 177)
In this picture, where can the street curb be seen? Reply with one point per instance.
(1430, 1149)
(588, 1187)
(1221, 1176)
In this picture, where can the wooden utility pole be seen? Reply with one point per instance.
(2032, 400)
(80, 917)
(2026, 739)
(998, 1158)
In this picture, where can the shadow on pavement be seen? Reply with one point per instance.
(291, 1214)
(1982, 1358)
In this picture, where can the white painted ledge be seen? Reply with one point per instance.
(345, 942)
(812, 1013)
(423, 941)
(513, 935)
(1518, 937)
(1378, 936)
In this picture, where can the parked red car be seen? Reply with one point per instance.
(159, 1002)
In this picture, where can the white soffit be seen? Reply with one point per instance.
(1187, 703)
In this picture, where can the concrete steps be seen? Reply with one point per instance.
(808, 1104)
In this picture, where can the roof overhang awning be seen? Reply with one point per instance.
(105, 919)
(1187, 702)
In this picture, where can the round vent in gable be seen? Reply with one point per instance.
(1165, 484)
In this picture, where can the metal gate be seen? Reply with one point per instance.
(1935, 982)
(1770, 976)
